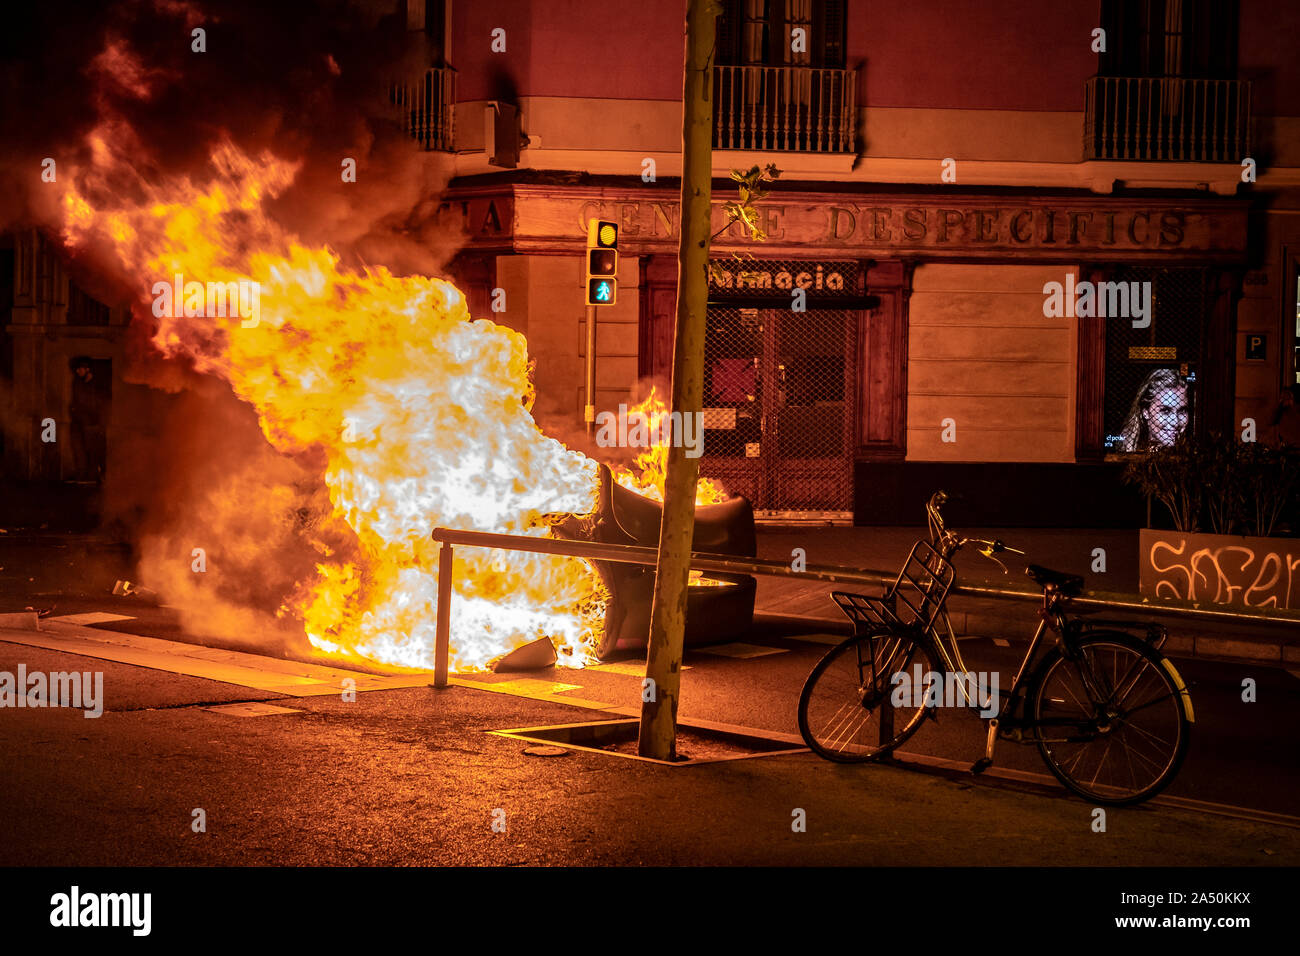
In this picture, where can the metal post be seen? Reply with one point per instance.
(658, 736)
(887, 722)
(886, 709)
(442, 637)
(589, 413)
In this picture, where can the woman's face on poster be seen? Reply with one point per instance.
(1166, 416)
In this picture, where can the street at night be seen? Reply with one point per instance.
(413, 776)
(532, 461)
(259, 779)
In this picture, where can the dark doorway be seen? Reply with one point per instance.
(778, 411)
(88, 412)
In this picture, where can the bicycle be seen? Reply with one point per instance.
(1109, 713)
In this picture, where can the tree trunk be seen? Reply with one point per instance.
(668, 613)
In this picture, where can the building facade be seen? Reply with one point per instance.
(1014, 225)
(61, 360)
(942, 168)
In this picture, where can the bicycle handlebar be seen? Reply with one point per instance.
(948, 543)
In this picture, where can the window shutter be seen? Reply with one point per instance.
(1212, 33)
(728, 36)
(828, 18)
(1193, 38)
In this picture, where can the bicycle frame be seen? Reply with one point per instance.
(1069, 687)
(950, 653)
(1051, 618)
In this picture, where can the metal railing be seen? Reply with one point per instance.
(792, 108)
(726, 563)
(1166, 118)
(426, 107)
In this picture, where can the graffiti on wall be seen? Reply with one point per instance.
(1252, 572)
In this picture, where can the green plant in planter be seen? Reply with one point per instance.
(1270, 477)
(1222, 462)
(1172, 475)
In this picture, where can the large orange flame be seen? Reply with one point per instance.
(422, 413)
(650, 466)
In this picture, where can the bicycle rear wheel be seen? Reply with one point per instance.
(846, 710)
(1114, 723)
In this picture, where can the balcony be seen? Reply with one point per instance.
(787, 108)
(426, 107)
(1166, 119)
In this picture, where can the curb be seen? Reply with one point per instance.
(1281, 650)
(1015, 626)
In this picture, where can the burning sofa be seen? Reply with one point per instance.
(718, 606)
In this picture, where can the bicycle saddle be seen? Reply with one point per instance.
(1067, 584)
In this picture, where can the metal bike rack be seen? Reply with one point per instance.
(703, 561)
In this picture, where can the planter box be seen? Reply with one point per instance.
(1220, 568)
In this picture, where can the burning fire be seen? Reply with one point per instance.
(420, 414)
(650, 466)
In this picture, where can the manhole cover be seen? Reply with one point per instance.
(545, 751)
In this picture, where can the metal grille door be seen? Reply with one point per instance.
(778, 399)
(1153, 373)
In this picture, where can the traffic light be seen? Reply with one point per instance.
(602, 262)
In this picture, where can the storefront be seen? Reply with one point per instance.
(880, 343)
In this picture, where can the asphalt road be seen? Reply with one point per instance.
(413, 776)
(1241, 754)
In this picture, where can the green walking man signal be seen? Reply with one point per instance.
(602, 262)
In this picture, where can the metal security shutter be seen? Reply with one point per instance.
(779, 389)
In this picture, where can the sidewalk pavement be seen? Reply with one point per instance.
(1073, 550)
(76, 572)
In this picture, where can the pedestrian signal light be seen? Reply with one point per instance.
(602, 262)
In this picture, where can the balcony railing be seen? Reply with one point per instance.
(1166, 118)
(801, 108)
(426, 107)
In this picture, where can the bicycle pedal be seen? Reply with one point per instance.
(979, 766)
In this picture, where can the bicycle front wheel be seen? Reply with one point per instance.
(1113, 723)
(848, 711)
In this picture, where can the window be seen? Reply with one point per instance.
(430, 18)
(1170, 38)
(425, 100)
(83, 310)
(1165, 88)
(775, 89)
(6, 314)
(1153, 374)
(761, 32)
(1295, 351)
